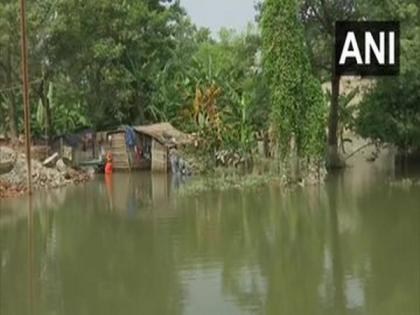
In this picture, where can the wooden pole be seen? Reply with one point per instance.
(25, 91)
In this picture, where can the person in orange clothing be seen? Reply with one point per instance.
(108, 165)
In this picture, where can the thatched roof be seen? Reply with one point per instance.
(165, 133)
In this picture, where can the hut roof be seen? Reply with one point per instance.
(165, 133)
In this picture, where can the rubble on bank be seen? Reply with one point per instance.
(15, 181)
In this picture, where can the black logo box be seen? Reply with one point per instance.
(360, 28)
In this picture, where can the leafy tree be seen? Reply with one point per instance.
(112, 59)
(177, 75)
(390, 112)
(319, 17)
(232, 65)
(296, 96)
(215, 88)
(104, 63)
(9, 64)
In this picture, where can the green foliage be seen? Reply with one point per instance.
(134, 62)
(298, 106)
(69, 116)
(112, 59)
(218, 91)
(390, 112)
(318, 17)
(103, 63)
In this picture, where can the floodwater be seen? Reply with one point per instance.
(133, 245)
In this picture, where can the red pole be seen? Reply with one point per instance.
(25, 86)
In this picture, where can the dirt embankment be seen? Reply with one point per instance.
(13, 181)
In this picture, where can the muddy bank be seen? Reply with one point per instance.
(14, 180)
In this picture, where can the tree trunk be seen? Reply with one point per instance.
(12, 111)
(43, 94)
(334, 160)
(13, 129)
(335, 247)
(48, 122)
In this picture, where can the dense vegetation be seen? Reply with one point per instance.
(390, 113)
(99, 64)
(104, 63)
(297, 111)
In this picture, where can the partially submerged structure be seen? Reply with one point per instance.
(132, 148)
(77, 148)
(145, 147)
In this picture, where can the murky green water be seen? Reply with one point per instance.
(132, 246)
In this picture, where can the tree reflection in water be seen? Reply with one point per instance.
(346, 247)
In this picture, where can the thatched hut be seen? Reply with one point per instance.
(150, 149)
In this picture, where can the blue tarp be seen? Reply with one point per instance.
(130, 137)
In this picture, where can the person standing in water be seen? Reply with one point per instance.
(108, 165)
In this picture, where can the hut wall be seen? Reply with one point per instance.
(100, 144)
(125, 158)
(119, 152)
(142, 164)
(159, 157)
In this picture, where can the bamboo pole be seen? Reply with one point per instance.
(25, 91)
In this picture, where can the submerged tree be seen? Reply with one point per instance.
(319, 19)
(298, 105)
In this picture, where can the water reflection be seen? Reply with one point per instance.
(130, 245)
(30, 257)
(339, 299)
